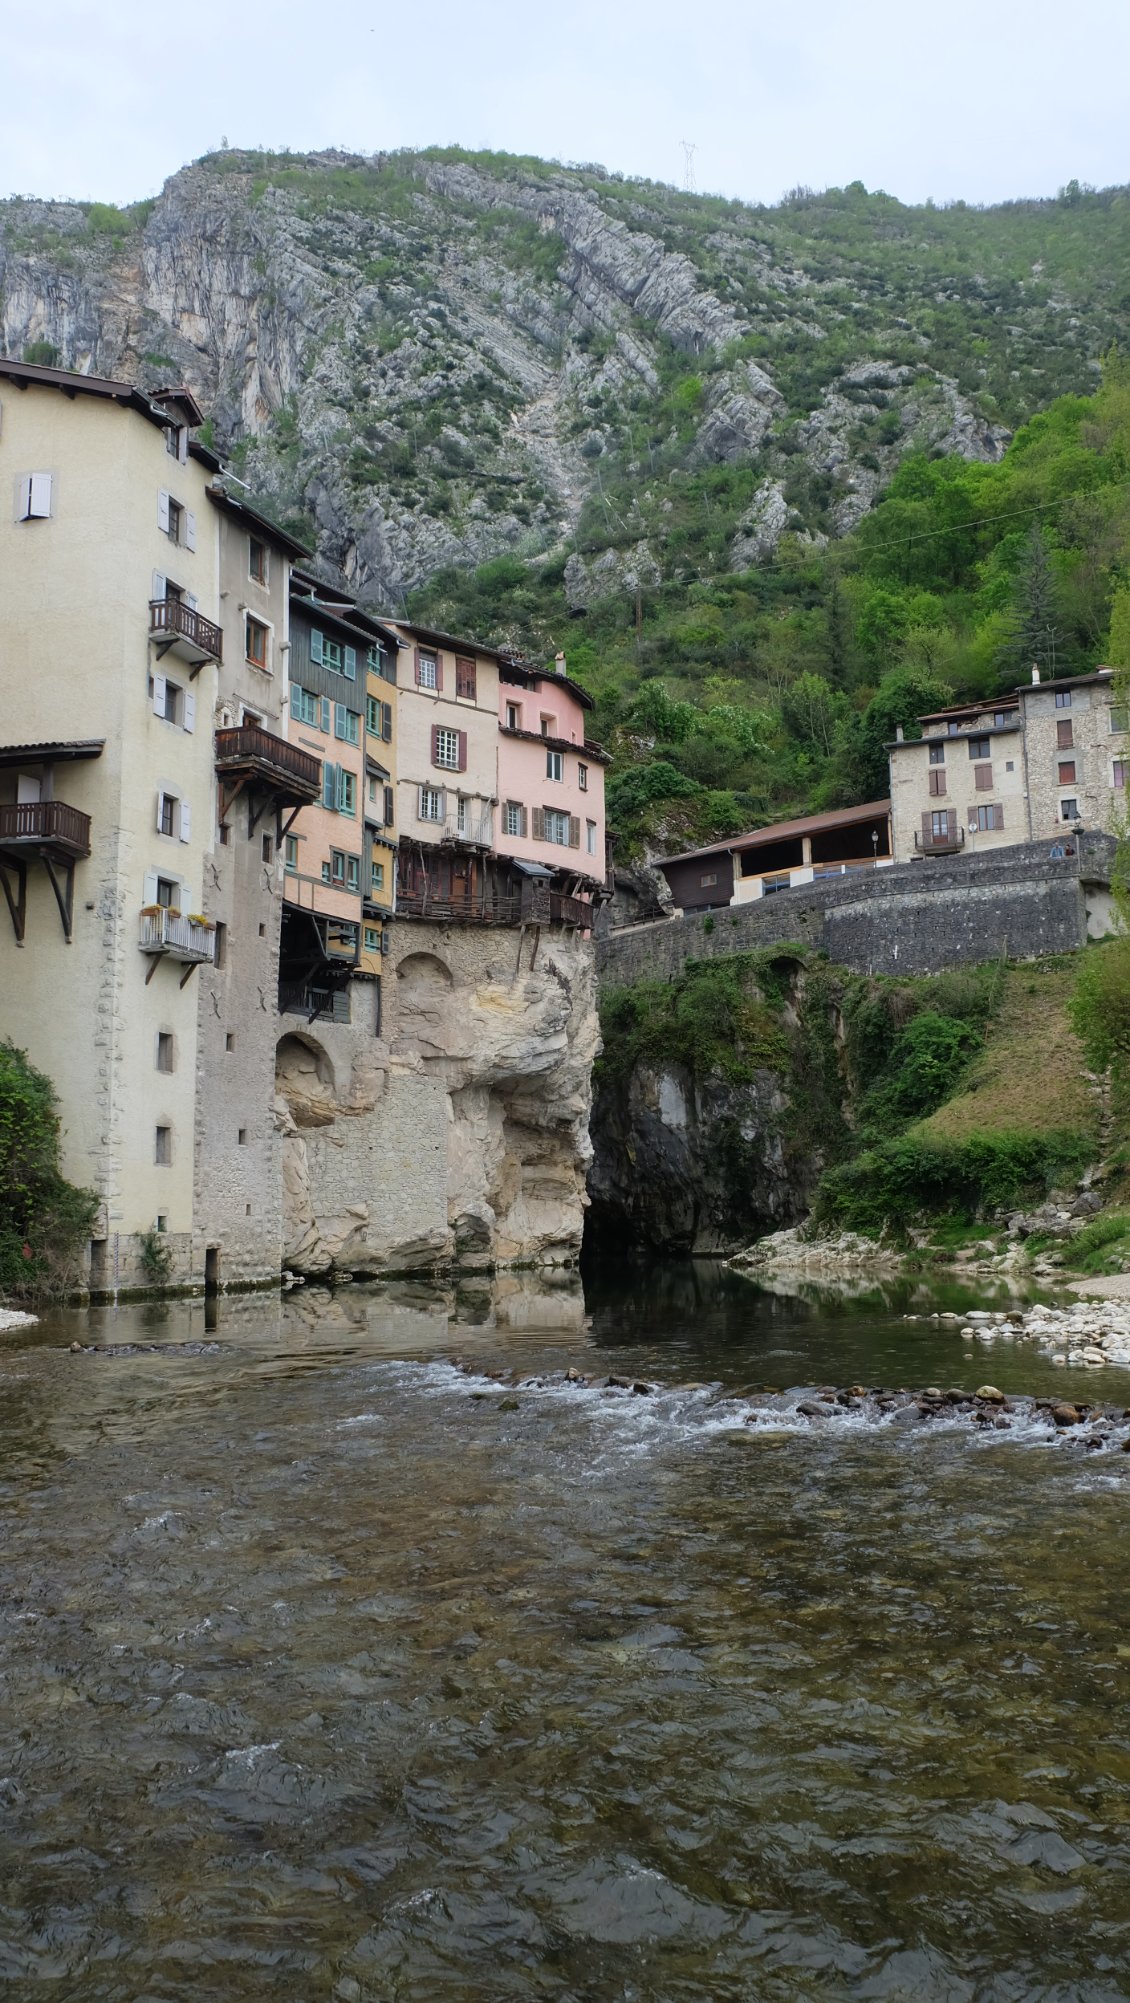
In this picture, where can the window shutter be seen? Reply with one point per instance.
(149, 895)
(998, 817)
(539, 823)
(416, 663)
(339, 719)
(189, 710)
(389, 807)
(315, 644)
(326, 718)
(163, 511)
(158, 695)
(160, 584)
(462, 736)
(386, 722)
(38, 505)
(160, 802)
(574, 832)
(182, 444)
(342, 778)
(192, 603)
(435, 744)
(190, 530)
(443, 804)
(185, 821)
(439, 672)
(329, 786)
(937, 782)
(522, 819)
(1064, 735)
(982, 778)
(351, 663)
(927, 824)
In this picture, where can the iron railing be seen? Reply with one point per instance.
(168, 931)
(934, 843)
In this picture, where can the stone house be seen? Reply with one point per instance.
(550, 780)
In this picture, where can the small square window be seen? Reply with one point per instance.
(980, 747)
(163, 1146)
(372, 939)
(256, 560)
(1063, 698)
(162, 1222)
(1069, 810)
(242, 1137)
(167, 893)
(229, 1041)
(164, 1050)
(268, 848)
(225, 834)
(262, 931)
(220, 937)
(1067, 772)
(583, 778)
(937, 754)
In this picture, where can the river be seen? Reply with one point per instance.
(333, 1670)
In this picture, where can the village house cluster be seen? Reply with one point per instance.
(222, 782)
(1040, 764)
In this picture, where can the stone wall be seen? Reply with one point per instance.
(916, 918)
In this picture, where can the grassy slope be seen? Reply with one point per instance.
(1030, 1077)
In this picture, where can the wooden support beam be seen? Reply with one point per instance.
(65, 896)
(17, 906)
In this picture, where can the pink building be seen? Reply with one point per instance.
(550, 778)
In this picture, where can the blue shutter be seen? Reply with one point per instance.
(329, 786)
(342, 776)
(315, 644)
(340, 725)
(351, 663)
(326, 718)
(386, 722)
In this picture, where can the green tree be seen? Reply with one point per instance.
(1036, 637)
(44, 1219)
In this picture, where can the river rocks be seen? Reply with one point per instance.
(990, 1394)
(1065, 1415)
(793, 1251)
(16, 1318)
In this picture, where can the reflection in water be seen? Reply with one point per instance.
(330, 1672)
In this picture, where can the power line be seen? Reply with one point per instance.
(689, 151)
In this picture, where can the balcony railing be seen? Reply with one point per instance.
(165, 931)
(314, 1000)
(180, 625)
(934, 843)
(570, 911)
(251, 749)
(45, 824)
(458, 910)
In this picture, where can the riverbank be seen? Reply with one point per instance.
(16, 1318)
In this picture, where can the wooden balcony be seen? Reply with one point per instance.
(180, 628)
(573, 911)
(252, 753)
(930, 842)
(164, 931)
(45, 827)
(504, 910)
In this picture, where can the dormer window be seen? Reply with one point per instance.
(176, 442)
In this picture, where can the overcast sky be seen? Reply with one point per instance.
(980, 99)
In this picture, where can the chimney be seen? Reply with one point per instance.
(559, 663)
(1035, 674)
(900, 734)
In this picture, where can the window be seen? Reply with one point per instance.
(1010, 765)
(166, 814)
(513, 716)
(169, 702)
(446, 749)
(372, 716)
(979, 747)
(549, 726)
(705, 881)
(1118, 773)
(167, 893)
(940, 824)
(1066, 771)
(771, 884)
(347, 723)
(427, 671)
(255, 642)
(1064, 736)
(1003, 717)
(174, 519)
(372, 939)
(337, 866)
(353, 872)
(229, 1041)
(1063, 698)
(983, 778)
(373, 790)
(462, 814)
(33, 497)
(304, 707)
(164, 1050)
(331, 653)
(514, 819)
(241, 1137)
(465, 679)
(1120, 718)
(163, 1146)
(937, 782)
(346, 793)
(937, 754)
(583, 778)
(220, 949)
(431, 803)
(555, 826)
(953, 729)
(268, 848)
(554, 765)
(377, 875)
(1069, 810)
(325, 872)
(590, 837)
(256, 560)
(292, 852)
(375, 659)
(984, 820)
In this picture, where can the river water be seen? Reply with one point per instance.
(333, 1668)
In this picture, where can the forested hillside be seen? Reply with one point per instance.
(743, 463)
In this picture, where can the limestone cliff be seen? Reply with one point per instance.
(459, 1137)
(423, 359)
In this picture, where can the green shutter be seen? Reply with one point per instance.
(329, 786)
(315, 644)
(351, 663)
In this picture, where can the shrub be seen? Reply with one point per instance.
(44, 1220)
(901, 1179)
(1100, 1006)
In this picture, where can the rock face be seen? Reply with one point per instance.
(422, 361)
(458, 1137)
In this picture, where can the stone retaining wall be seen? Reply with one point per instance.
(914, 918)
